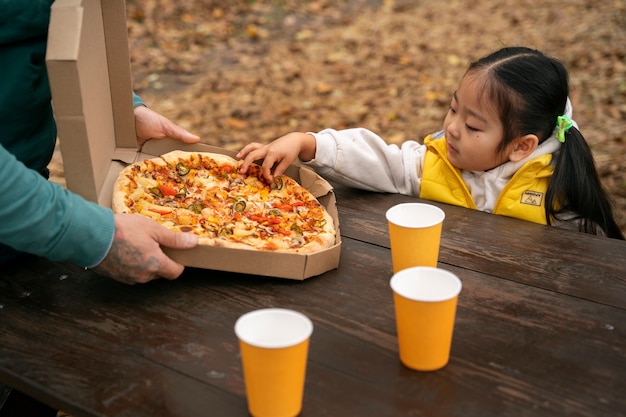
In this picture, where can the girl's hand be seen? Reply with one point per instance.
(279, 154)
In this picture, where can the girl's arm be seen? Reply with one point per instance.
(361, 159)
(355, 157)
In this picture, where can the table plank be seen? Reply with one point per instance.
(569, 262)
(168, 348)
(68, 340)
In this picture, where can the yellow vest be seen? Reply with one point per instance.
(523, 197)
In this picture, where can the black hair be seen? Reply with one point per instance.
(530, 90)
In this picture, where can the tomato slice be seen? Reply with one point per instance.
(281, 231)
(284, 207)
(255, 218)
(167, 190)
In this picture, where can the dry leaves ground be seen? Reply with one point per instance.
(240, 71)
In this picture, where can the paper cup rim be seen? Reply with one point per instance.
(437, 215)
(452, 289)
(291, 340)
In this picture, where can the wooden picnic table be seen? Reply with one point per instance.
(540, 328)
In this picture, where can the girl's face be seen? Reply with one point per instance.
(473, 129)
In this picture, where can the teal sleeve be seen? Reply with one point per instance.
(137, 101)
(45, 219)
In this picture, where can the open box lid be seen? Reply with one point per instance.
(89, 69)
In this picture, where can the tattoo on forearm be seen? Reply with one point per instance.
(125, 263)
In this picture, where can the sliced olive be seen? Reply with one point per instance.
(182, 169)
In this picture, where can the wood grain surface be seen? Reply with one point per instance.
(539, 329)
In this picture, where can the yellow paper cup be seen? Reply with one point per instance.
(425, 300)
(274, 347)
(414, 234)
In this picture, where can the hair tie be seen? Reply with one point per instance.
(563, 124)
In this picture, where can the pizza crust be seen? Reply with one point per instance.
(173, 157)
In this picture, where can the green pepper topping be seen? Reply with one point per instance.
(296, 229)
(224, 232)
(274, 212)
(182, 169)
(239, 206)
(156, 191)
(196, 208)
(182, 192)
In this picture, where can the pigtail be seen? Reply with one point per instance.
(575, 188)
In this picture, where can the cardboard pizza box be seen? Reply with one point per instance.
(89, 70)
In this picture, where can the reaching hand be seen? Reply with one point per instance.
(151, 125)
(136, 256)
(278, 155)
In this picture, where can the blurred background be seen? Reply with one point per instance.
(243, 70)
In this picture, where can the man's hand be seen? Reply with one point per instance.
(136, 256)
(151, 125)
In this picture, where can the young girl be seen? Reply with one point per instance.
(508, 146)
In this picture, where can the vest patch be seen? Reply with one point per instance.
(531, 198)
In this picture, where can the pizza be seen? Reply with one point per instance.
(204, 193)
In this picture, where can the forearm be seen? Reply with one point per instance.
(44, 219)
(361, 159)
